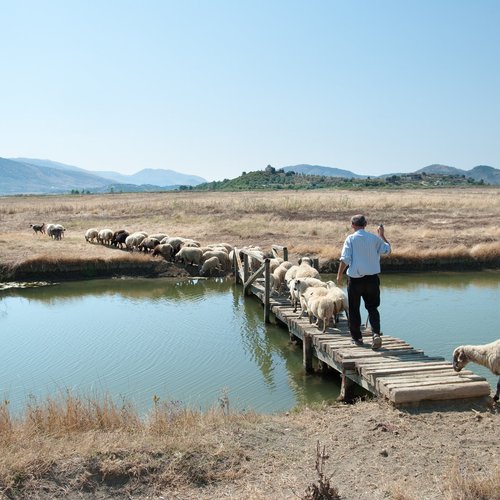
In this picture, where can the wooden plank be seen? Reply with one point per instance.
(443, 379)
(372, 376)
(436, 392)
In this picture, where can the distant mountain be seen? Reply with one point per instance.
(17, 177)
(158, 177)
(441, 169)
(326, 171)
(35, 176)
(481, 172)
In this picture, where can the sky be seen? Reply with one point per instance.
(217, 87)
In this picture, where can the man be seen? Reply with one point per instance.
(361, 257)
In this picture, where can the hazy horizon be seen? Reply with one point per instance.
(217, 88)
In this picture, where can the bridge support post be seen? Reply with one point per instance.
(267, 290)
(346, 388)
(307, 350)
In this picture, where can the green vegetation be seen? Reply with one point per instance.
(272, 179)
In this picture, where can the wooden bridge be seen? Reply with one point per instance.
(397, 371)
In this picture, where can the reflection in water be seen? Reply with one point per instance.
(187, 339)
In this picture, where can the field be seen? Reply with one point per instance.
(74, 448)
(428, 229)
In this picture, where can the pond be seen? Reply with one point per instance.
(197, 341)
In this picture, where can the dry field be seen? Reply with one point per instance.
(94, 449)
(423, 225)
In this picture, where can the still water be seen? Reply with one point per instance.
(195, 341)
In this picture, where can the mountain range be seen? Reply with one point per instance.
(34, 176)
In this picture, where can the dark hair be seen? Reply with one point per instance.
(358, 220)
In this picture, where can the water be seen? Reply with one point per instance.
(195, 341)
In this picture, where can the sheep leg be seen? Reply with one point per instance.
(497, 394)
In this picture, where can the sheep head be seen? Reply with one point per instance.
(459, 358)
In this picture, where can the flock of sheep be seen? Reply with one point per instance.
(322, 301)
(210, 259)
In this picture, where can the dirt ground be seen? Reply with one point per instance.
(375, 451)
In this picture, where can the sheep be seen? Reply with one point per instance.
(105, 236)
(165, 250)
(55, 231)
(486, 355)
(291, 273)
(274, 263)
(323, 307)
(299, 286)
(158, 236)
(38, 228)
(119, 238)
(306, 270)
(175, 241)
(148, 244)
(278, 276)
(221, 255)
(189, 255)
(91, 235)
(227, 246)
(133, 240)
(211, 264)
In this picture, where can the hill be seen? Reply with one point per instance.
(272, 179)
(325, 171)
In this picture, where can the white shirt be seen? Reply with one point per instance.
(361, 252)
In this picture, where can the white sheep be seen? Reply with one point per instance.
(91, 235)
(221, 255)
(189, 255)
(278, 276)
(306, 270)
(299, 286)
(133, 240)
(486, 355)
(105, 236)
(210, 265)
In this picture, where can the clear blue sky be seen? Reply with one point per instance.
(217, 87)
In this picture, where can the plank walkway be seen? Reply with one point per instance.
(397, 371)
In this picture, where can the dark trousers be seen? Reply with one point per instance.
(368, 289)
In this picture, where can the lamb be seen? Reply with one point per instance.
(189, 255)
(211, 264)
(38, 228)
(91, 234)
(486, 355)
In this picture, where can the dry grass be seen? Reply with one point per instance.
(421, 225)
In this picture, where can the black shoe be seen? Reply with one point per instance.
(376, 341)
(358, 342)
